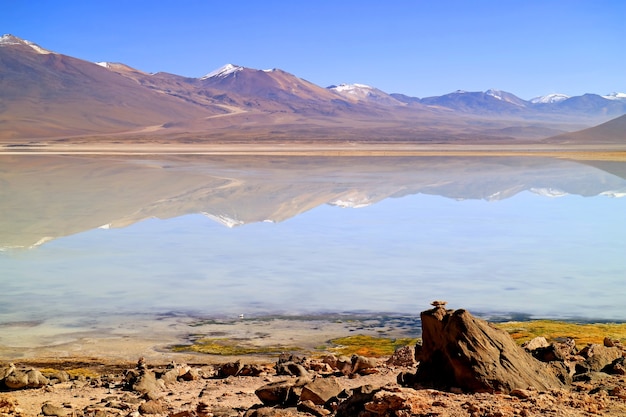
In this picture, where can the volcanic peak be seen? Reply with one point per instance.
(9, 39)
(224, 71)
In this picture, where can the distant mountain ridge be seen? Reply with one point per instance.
(47, 95)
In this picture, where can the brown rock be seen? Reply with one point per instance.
(153, 407)
(361, 364)
(557, 351)
(274, 412)
(25, 378)
(354, 405)
(459, 350)
(320, 391)
(291, 369)
(285, 392)
(536, 343)
(308, 406)
(403, 356)
(53, 410)
(230, 369)
(147, 383)
(598, 357)
(521, 393)
(8, 405)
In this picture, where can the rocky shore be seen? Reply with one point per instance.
(463, 366)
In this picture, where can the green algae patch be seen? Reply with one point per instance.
(232, 347)
(582, 333)
(369, 346)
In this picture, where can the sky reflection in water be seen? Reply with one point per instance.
(530, 254)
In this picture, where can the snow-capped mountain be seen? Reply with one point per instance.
(478, 102)
(507, 97)
(362, 92)
(14, 40)
(615, 96)
(48, 94)
(549, 98)
(224, 71)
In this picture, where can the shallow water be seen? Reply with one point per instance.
(88, 238)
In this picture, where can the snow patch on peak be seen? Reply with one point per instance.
(223, 71)
(352, 200)
(615, 96)
(351, 88)
(494, 93)
(9, 39)
(104, 64)
(548, 192)
(549, 98)
(614, 194)
(224, 219)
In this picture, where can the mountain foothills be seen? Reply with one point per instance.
(47, 96)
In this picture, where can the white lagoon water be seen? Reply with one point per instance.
(230, 236)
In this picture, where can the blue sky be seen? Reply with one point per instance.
(419, 48)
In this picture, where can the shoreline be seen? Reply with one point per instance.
(124, 338)
(564, 151)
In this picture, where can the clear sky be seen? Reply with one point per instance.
(419, 48)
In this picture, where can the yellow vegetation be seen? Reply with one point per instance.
(73, 373)
(583, 334)
(369, 346)
(231, 347)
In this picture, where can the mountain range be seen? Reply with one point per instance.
(53, 196)
(48, 96)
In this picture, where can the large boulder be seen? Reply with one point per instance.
(461, 351)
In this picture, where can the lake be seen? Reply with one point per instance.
(92, 237)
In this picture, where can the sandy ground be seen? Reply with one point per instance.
(116, 347)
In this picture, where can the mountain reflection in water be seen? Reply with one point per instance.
(506, 248)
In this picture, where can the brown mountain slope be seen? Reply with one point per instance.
(612, 132)
(45, 94)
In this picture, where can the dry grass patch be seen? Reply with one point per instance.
(369, 346)
(232, 347)
(582, 333)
